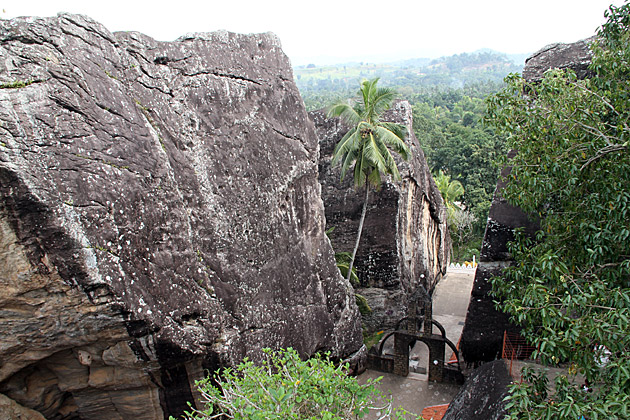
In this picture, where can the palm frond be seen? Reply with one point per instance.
(390, 164)
(382, 100)
(347, 143)
(343, 260)
(346, 112)
(399, 130)
(373, 152)
(360, 169)
(367, 91)
(350, 158)
(375, 179)
(454, 191)
(451, 189)
(392, 140)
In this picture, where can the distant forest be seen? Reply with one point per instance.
(321, 85)
(448, 101)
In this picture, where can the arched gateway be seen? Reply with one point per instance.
(407, 333)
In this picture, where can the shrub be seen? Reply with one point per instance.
(285, 387)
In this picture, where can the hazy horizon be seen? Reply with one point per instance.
(333, 32)
(376, 59)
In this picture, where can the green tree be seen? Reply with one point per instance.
(451, 189)
(447, 125)
(365, 147)
(570, 287)
(285, 387)
(460, 221)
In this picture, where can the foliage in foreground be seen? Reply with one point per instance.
(570, 287)
(285, 387)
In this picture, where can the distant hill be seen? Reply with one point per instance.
(413, 62)
(408, 76)
(518, 59)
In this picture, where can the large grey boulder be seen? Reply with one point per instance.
(160, 214)
(405, 245)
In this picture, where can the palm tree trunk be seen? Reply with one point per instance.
(356, 245)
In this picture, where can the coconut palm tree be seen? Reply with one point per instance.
(451, 189)
(366, 146)
(459, 220)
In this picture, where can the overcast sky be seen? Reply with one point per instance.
(336, 31)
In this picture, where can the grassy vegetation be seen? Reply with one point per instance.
(465, 251)
(16, 85)
(372, 339)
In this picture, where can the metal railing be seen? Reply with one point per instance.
(515, 347)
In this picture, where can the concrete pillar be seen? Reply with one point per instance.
(401, 354)
(436, 359)
(428, 317)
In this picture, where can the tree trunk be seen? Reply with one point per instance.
(356, 245)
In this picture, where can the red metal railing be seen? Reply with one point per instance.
(453, 359)
(515, 347)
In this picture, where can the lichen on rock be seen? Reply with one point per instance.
(160, 215)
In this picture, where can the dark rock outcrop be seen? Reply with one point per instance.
(576, 56)
(482, 336)
(160, 214)
(482, 395)
(9, 409)
(405, 245)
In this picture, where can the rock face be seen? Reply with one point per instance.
(576, 56)
(482, 395)
(9, 409)
(160, 215)
(405, 245)
(482, 336)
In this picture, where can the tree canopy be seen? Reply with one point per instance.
(460, 220)
(570, 286)
(449, 128)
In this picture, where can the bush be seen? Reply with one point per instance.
(285, 387)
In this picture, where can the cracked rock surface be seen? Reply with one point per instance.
(160, 214)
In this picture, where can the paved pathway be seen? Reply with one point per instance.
(413, 393)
